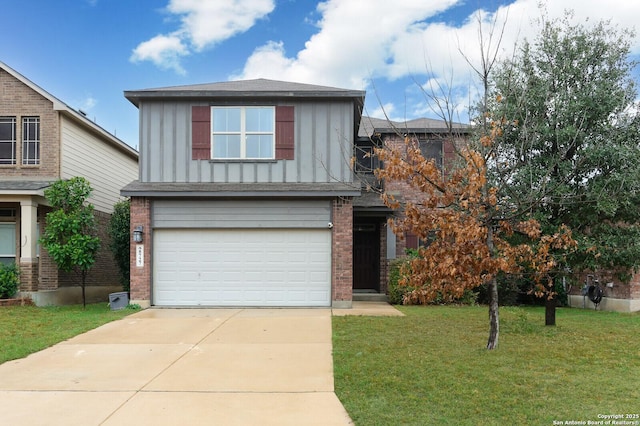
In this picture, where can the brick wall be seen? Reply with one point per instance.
(141, 276)
(18, 100)
(342, 250)
(403, 190)
(620, 289)
(104, 271)
(384, 263)
(48, 272)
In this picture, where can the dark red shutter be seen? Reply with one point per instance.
(284, 132)
(411, 240)
(200, 132)
(449, 156)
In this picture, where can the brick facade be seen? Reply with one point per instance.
(342, 251)
(19, 101)
(140, 287)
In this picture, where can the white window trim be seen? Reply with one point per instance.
(28, 140)
(243, 133)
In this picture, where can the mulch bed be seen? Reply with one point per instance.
(22, 301)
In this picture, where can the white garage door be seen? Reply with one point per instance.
(242, 267)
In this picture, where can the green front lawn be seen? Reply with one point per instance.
(28, 329)
(431, 368)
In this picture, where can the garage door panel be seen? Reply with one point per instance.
(242, 267)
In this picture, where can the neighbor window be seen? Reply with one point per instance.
(430, 148)
(30, 140)
(366, 160)
(7, 140)
(7, 243)
(243, 132)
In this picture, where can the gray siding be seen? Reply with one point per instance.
(323, 146)
(241, 214)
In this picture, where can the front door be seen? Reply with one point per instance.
(366, 256)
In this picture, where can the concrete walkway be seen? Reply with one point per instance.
(187, 366)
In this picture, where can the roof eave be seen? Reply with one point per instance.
(135, 97)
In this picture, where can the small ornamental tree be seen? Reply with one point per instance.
(70, 233)
(120, 240)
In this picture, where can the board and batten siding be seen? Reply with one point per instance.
(241, 214)
(106, 168)
(324, 133)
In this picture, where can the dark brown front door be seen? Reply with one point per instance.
(366, 256)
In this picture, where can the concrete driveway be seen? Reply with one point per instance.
(187, 366)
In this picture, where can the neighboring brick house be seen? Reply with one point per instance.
(42, 140)
(375, 244)
(371, 215)
(245, 195)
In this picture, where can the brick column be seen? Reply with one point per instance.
(342, 253)
(140, 290)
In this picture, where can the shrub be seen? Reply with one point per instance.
(398, 292)
(120, 240)
(9, 280)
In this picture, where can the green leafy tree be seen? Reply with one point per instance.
(568, 149)
(120, 240)
(70, 233)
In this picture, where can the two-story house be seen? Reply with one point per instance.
(374, 243)
(42, 140)
(245, 195)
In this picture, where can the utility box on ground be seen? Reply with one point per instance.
(118, 300)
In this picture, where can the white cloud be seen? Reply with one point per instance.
(164, 51)
(383, 111)
(391, 40)
(203, 24)
(88, 103)
(352, 45)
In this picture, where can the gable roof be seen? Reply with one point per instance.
(258, 88)
(370, 126)
(71, 113)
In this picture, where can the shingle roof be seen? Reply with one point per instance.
(371, 125)
(23, 185)
(187, 189)
(255, 88)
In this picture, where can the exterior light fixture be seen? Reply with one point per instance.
(137, 234)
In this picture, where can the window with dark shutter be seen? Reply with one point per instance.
(251, 140)
(201, 132)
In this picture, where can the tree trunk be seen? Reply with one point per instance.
(82, 284)
(550, 311)
(494, 320)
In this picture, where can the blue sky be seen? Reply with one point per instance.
(87, 52)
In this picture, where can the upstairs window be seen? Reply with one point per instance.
(31, 140)
(432, 149)
(365, 159)
(243, 132)
(7, 140)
